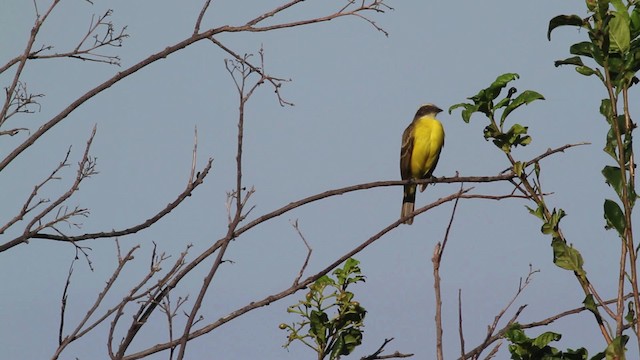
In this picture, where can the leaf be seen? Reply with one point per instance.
(567, 257)
(614, 217)
(631, 313)
(527, 97)
(585, 70)
(619, 32)
(584, 48)
(574, 60)
(468, 110)
(564, 20)
(616, 349)
(619, 6)
(501, 81)
(606, 110)
(346, 342)
(590, 304)
(322, 282)
(504, 102)
(613, 177)
(486, 96)
(611, 146)
(318, 325)
(544, 339)
(515, 333)
(538, 212)
(518, 167)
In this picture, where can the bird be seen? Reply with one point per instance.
(422, 142)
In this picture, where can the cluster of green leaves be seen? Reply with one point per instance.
(485, 102)
(524, 348)
(331, 321)
(613, 27)
(614, 45)
(565, 256)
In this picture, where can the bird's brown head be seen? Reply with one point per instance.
(427, 109)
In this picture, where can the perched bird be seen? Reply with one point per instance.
(422, 142)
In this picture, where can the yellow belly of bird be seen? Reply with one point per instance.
(427, 143)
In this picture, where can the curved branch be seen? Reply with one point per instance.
(134, 229)
(278, 296)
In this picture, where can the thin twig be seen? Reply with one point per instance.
(196, 28)
(309, 251)
(376, 355)
(437, 260)
(460, 329)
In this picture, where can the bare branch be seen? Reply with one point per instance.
(12, 132)
(248, 27)
(22, 60)
(154, 296)
(278, 296)
(196, 28)
(309, 251)
(437, 260)
(376, 355)
(492, 335)
(132, 230)
(460, 329)
(78, 331)
(548, 153)
(243, 61)
(86, 168)
(21, 101)
(63, 302)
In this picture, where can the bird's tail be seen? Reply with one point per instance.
(408, 202)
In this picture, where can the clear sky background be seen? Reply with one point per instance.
(355, 91)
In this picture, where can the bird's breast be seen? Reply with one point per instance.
(427, 143)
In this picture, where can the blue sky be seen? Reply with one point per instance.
(354, 91)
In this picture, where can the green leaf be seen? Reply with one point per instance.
(631, 313)
(611, 145)
(585, 70)
(468, 110)
(318, 325)
(527, 97)
(321, 283)
(538, 212)
(584, 48)
(500, 83)
(504, 102)
(574, 60)
(567, 257)
(518, 167)
(346, 342)
(616, 349)
(485, 97)
(613, 177)
(614, 217)
(590, 304)
(619, 6)
(564, 20)
(619, 32)
(606, 110)
(545, 338)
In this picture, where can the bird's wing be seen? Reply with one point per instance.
(405, 153)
